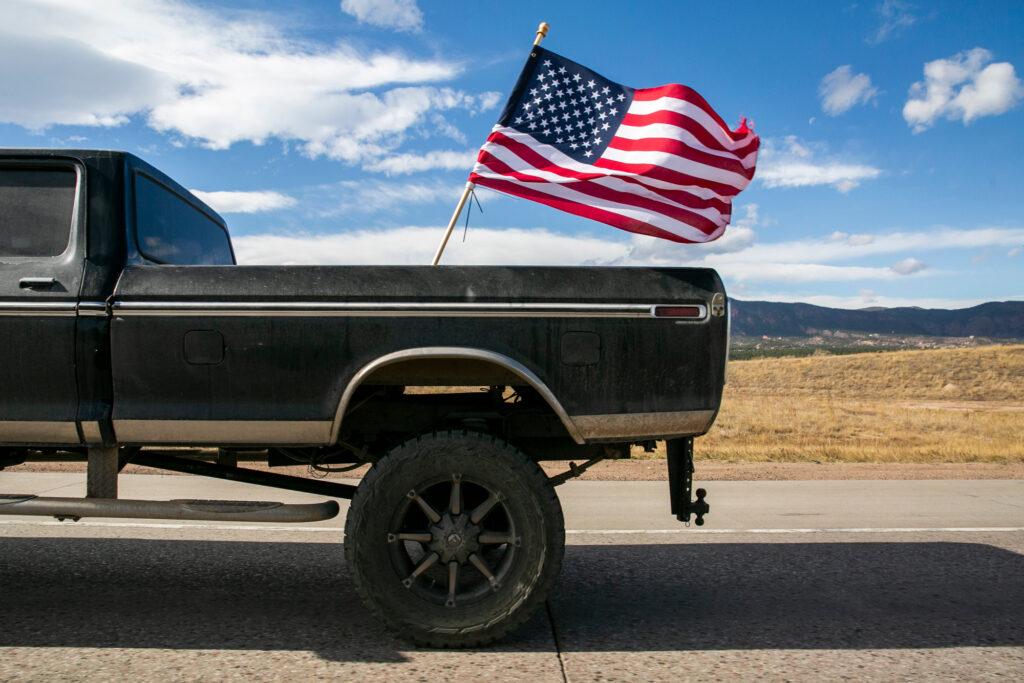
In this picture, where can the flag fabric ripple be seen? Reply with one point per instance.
(655, 161)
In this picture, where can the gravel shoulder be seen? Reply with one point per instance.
(657, 470)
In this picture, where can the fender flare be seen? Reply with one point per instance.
(453, 352)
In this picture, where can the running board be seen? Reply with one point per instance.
(209, 510)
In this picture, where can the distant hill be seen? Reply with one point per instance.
(997, 320)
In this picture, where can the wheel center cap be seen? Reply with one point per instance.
(454, 538)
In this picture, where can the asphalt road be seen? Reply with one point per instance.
(788, 580)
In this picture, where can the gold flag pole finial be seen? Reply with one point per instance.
(542, 31)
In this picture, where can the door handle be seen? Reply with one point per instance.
(36, 282)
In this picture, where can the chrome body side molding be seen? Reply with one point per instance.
(346, 309)
(38, 308)
(454, 352)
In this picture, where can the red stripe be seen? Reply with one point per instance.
(681, 149)
(702, 223)
(667, 175)
(689, 95)
(537, 160)
(703, 135)
(575, 208)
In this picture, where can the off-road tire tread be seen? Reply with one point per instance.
(363, 503)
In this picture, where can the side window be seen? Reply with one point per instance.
(172, 231)
(36, 207)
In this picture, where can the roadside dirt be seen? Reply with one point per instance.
(657, 470)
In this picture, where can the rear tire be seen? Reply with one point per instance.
(454, 539)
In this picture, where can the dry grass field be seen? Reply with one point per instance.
(944, 405)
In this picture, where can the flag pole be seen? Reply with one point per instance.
(542, 31)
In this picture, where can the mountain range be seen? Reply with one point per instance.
(996, 320)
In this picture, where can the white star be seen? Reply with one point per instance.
(613, 112)
(532, 125)
(533, 92)
(586, 143)
(588, 153)
(591, 83)
(599, 104)
(621, 97)
(580, 124)
(576, 77)
(561, 69)
(566, 116)
(573, 145)
(588, 109)
(597, 140)
(545, 87)
(546, 131)
(519, 119)
(547, 62)
(540, 110)
(605, 126)
(572, 137)
(562, 104)
(595, 94)
(582, 88)
(529, 115)
(537, 100)
(541, 77)
(558, 141)
(575, 112)
(605, 90)
(547, 96)
(609, 101)
(602, 116)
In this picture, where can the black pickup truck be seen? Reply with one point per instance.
(127, 329)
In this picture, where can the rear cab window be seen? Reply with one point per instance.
(171, 230)
(37, 206)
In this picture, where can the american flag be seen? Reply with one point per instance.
(656, 161)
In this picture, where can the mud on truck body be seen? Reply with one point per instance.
(126, 329)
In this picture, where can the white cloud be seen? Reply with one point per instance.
(398, 164)
(894, 15)
(794, 164)
(372, 196)
(841, 90)
(908, 266)
(213, 77)
(401, 15)
(245, 202)
(416, 245)
(962, 88)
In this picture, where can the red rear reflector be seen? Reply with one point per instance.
(678, 312)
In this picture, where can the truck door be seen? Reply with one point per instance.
(41, 261)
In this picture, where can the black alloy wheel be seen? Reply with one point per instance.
(454, 539)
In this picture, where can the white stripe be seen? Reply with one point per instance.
(679, 164)
(559, 159)
(691, 111)
(656, 219)
(513, 160)
(581, 532)
(671, 132)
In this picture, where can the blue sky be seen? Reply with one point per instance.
(342, 132)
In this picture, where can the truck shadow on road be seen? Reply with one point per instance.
(129, 593)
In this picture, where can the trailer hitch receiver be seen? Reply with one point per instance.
(680, 482)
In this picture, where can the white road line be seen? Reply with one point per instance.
(582, 532)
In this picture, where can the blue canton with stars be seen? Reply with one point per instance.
(565, 105)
